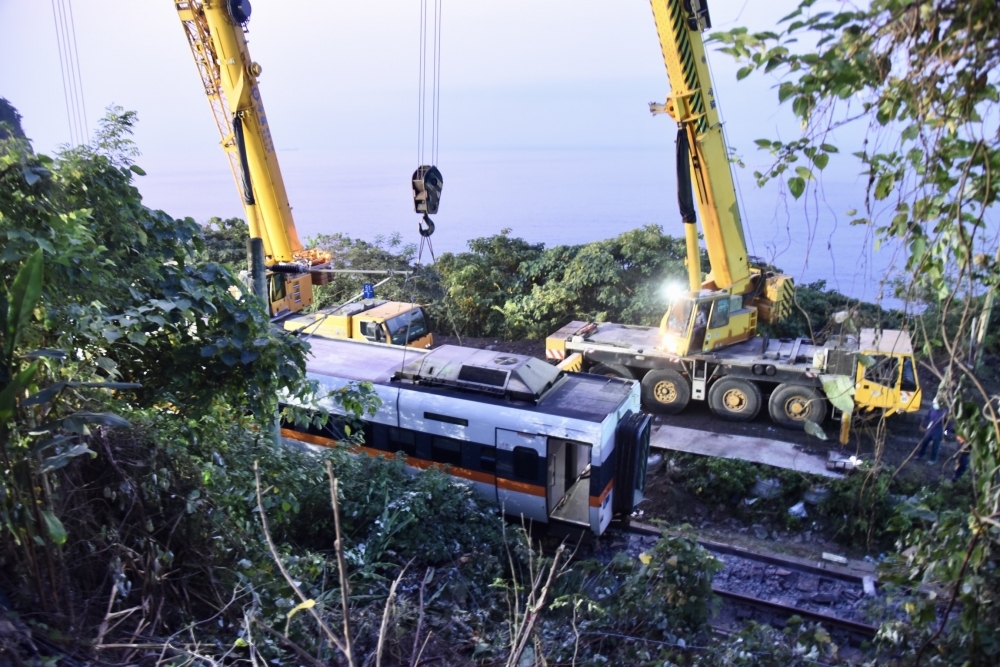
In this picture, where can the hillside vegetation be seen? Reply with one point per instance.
(147, 518)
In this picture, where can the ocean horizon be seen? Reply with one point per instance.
(554, 196)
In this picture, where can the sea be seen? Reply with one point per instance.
(553, 196)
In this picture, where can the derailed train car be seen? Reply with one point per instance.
(544, 444)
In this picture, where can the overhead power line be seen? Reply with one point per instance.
(69, 66)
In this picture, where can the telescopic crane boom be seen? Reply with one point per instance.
(703, 161)
(215, 30)
(706, 348)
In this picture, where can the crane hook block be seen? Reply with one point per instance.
(426, 226)
(427, 184)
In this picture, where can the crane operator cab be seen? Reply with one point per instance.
(695, 324)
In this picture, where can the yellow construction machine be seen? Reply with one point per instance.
(706, 347)
(216, 32)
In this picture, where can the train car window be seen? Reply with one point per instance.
(447, 419)
(401, 440)
(720, 314)
(488, 459)
(909, 377)
(525, 463)
(446, 450)
(367, 432)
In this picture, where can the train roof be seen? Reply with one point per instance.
(363, 362)
(515, 375)
(481, 375)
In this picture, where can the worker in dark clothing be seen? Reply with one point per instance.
(933, 429)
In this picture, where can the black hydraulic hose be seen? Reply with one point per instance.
(241, 146)
(685, 195)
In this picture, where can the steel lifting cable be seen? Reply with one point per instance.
(426, 180)
(424, 241)
(435, 83)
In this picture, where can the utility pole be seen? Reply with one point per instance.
(258, 283)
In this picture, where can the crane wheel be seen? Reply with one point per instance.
(665, 391)
(734, 399)
(792, 405)
(612, 371)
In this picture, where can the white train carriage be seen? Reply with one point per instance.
(541, 443)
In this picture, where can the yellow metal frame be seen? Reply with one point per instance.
(336, 325)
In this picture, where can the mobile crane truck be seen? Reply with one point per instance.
(216, 32)
(707, 347)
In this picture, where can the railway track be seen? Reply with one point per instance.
(769, 588)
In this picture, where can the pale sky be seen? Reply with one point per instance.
(541, 73)
(339, 82)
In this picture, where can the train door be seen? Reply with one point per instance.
(521, 467)
(568, 490)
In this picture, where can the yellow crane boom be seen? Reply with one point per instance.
(229, 75)
(692, 104)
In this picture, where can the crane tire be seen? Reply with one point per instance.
(734, 399)
(792, 405)
(611, 371)
(665, 391)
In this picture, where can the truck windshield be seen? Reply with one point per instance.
(398, 327)
(680, 317)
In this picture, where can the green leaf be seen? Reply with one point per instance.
(743, 72)
(805, 173)
(796, 186)
(47, 354)
(62, 459)
(8, 397)
(76, 421)
(813, 429)
(24, 294)
(55, 527)
(839, 390)
(45, 395)
(30, 176)
(821, 160)
(884, 186)
(136, 169)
